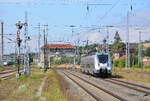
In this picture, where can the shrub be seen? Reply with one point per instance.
(1, 66)
(146, 66)
(61, 60)
(119, 63)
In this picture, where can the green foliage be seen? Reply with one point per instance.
(61, 60)
(134, 58)
(52, 89)
(89, 48)
(117, 38)
(1, 66)
(146, 66)
(136, 66)
(147, 52)
(119, 63)
(119, 47)
(12, 63)
(23, 77)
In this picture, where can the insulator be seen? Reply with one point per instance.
(131, 7)
(87, 8)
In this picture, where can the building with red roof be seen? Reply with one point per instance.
(59, 47)
(56, 51)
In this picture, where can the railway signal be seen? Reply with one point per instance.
(19, 26)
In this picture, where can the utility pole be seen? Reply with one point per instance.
(2, 43)
(140, 57)
(45, 57)
(26, 48)
(127, 39)
(44, 47)
(127, 44)
(47, 61)
(108, 38)
(74, 59)
(78, 52)
(39, 41)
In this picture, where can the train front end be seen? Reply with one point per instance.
(103, 65)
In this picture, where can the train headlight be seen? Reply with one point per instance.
(109, 68)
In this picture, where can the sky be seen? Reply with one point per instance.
(89, 24)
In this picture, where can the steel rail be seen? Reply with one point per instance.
(5, 72)
(127, 86)
(106, 91)
(131, 84)
(95, 97)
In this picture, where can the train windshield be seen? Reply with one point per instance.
(103, 58)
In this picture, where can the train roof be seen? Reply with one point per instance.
(101, 53)
(97, 53)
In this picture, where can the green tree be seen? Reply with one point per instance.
(147, 52)
(119, 63)
(117, 38)
(118, 47)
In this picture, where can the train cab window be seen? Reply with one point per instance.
(103, 58)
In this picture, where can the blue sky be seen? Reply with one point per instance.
(60, 14)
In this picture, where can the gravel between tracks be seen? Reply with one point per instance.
(98, 93)
(76, 90)
(126, 93)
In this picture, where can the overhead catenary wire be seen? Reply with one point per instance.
(109, 10)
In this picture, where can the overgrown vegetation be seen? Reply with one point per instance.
(147, 52)
(134, 74)
(32, 88)
(52, 88)
(119, 63)
(1, 67)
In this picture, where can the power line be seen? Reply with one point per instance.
(107, 12)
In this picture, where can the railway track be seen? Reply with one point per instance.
(137, 87)
(95, 97)
(6, 77)
(94, 85)
(141, 72)
(5, 72)
(8, 74)
(133, 86)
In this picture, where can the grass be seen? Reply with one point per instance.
(26, 88)
(1, 68)
(22, 89)
(133, 74)
(52, 89)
